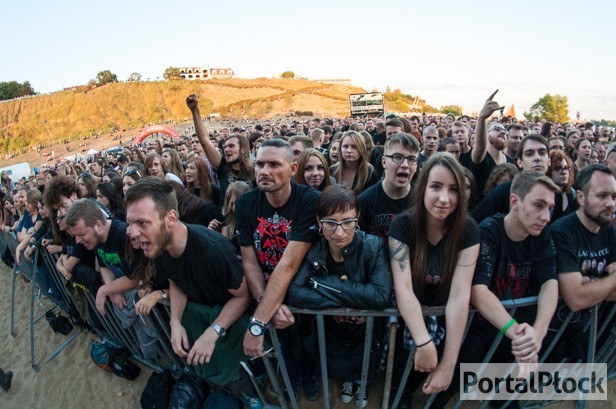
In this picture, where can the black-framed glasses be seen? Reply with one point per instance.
(399, 158)
(561, 170)
(331, 225)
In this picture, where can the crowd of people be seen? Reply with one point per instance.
(360, 213)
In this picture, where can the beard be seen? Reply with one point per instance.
(498, 143)
(598, 219)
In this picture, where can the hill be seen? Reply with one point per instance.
(74, 114)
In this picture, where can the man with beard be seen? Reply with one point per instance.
(586, 249)
(489, 146)
(107, 237)
(381, 203)
(234, 165)
(201, 265)
(514, 137)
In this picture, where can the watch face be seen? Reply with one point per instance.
(256, 330)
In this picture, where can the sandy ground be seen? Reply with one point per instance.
(69, 381)
(73, 381)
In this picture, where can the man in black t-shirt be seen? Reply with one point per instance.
(277, 226)
(107, 237)
(586, 248)
(201, 265)
(381, 203)
(234, 165)
(517, 261)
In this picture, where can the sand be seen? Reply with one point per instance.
(71, 380)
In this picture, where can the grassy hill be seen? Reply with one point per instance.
(73, 114)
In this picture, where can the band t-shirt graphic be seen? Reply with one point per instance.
(510, 269)
(270, 240)
(378, 210)
(269, 230)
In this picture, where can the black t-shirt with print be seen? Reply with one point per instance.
(111, 254)
(510, 269)
(482, 171)
(377, 210)
(401, 228)
(580, 250)
(270, 229)
(207, 269)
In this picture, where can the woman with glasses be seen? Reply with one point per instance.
(345, 268)
(561, 172)
(433, 248)
(353, 169)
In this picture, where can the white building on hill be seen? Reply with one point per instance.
(205, 73)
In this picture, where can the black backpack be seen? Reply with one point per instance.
(158, 390)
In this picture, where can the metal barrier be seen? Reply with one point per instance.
(110, 327)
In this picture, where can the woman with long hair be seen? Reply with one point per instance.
(199, 181)
(434, 248)
(333, 153)
(173, 163)
(155, 166)
(561, 172)
(354, 170)
(312, 169)
(87, 185)
(108, 196)
(5, 180)
(193, 209)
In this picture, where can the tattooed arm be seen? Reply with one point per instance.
(425, 357)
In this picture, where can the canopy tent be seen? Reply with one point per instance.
(513, 112)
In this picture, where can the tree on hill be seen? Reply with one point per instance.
(552, 108)
(452, 109)
(288, 74)
(172, 73)
(134, 77)
(13, 89)
(105, 77)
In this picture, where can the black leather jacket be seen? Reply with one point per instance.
(367, 287)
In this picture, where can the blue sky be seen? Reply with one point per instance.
(446, 52)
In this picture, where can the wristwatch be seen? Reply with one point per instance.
(164, 294)
(219, 330)
(257, 327)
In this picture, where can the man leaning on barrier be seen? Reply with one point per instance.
(202, 268)
(586, 253)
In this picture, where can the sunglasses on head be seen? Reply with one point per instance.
(133, 172)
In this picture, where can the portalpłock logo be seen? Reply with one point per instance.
(533, 382)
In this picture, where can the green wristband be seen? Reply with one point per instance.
(508, 325)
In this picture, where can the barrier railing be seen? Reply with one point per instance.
(111, 327)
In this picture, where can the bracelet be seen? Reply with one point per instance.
(424, 344)
(508, 325)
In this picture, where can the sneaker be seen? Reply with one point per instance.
(347, 392)
(362, 399)
(311, 388)
(253, 403)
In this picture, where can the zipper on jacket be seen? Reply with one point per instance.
(316, 284)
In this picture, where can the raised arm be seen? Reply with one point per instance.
(212, 153)
(481, 141)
